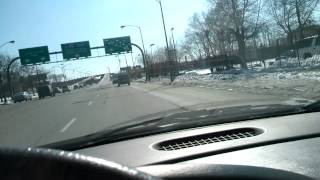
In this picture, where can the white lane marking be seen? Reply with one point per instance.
(90, 103)
(167, 125)
(302, 90)
(68, 125)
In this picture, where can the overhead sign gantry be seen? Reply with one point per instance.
(72, 51)
(76, 50)
(34, 55)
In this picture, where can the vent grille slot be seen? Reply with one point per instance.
(204, 139)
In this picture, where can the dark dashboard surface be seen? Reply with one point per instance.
(289, 143)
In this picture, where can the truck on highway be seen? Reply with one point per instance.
(123, 78)
(45, 90)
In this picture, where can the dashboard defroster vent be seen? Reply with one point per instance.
(204, 139)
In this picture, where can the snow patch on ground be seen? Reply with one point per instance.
(199, 72)
(105, 81)
(303, 83)
(9, 101)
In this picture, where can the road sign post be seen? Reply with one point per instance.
(34, 55)
(76, 50)
(117, 45)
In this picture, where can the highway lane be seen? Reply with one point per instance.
(89, 110)
(74, 114)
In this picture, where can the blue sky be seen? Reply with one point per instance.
(42, 22)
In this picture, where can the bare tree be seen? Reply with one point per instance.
(304, 10)
(242, 20)
(198, 35)
(221, 38)
(283, 14)
(291, 15)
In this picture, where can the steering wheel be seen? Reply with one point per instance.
(39, 164)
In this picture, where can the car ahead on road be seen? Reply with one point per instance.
(65, 89)
(45, 90)
(114, 78)
(123, 78)
(22, 96)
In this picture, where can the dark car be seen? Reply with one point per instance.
(65, 89)
(45, 90)
(22, 96)
(114, 79)
(123, 78)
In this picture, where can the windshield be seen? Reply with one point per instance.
(98, 65)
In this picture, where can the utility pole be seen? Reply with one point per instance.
(174, 48)
(167, 44)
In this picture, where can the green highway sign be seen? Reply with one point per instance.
(34, 55)
(76, 50)
(117, 45)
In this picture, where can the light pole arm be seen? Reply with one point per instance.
(141, 36)
(4, 44)
(9, 76)
(143, 59)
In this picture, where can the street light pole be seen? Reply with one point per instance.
(166, 38)
(9, 42)
(151, 55)
(141, 36)
(143, 47)
(151, 45)
(174, 49)
(174, 43)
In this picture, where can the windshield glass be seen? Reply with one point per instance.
(95, 66)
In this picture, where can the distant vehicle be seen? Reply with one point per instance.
(57, 90)
(65, 89)
(22, 96)
(75, 87)
(123, 78)
(308, 47)
(45, 90)
(114, 79)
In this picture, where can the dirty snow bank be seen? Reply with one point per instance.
(294, 83)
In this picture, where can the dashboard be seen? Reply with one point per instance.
(289, 143)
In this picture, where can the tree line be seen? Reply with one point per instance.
(235, 26)
(22, 77)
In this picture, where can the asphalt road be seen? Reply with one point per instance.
(88, 110)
